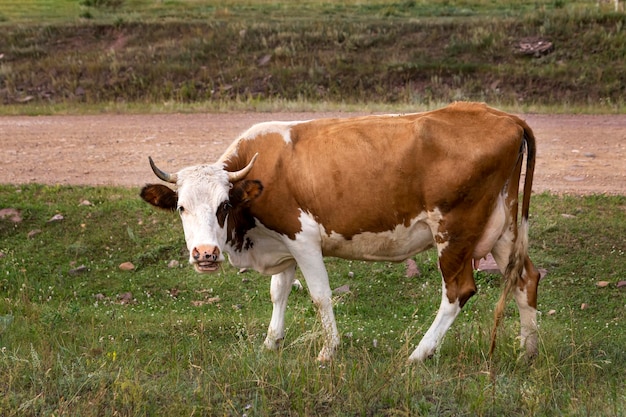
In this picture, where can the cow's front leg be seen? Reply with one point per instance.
(280, 288)
(323, 301)
(316, 277)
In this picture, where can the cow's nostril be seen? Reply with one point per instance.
(202, 253)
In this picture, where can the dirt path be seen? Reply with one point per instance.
(576, 154)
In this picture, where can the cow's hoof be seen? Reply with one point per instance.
(421, 355)
(273, 344)
(325, 355)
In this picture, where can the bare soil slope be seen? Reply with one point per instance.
(576, 154)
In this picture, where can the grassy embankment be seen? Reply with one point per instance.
(159, 56)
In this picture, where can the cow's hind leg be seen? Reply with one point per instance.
(280, 288)
(524, 288)
(525, 294)
(458, 286)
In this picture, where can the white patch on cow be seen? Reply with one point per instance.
(433, 337)
(502, 249)
(269, 253)
(201, 189)
(441, 235)
(495, 227)
(504, 245)
(393, 245)
(261, 129)
(528, 321)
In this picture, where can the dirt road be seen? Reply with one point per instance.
(576, 154)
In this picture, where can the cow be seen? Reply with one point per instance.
(375, 188)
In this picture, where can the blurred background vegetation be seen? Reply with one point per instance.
(508, 53)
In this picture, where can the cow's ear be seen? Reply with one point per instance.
(244, 192)
(160, 196)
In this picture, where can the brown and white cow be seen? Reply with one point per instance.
(376, 188)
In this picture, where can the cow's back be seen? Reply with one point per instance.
(373, 173)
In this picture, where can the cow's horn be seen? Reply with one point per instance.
(162, 174)
(241, 174)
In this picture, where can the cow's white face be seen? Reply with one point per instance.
(206, 196)
(202, 192)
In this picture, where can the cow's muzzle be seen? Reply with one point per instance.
(206, 258)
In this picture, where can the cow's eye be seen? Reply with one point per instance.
(224, 207)
(181, 209)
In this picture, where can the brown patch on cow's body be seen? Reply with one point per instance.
(339, 170)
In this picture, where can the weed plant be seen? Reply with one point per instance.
(80, 337)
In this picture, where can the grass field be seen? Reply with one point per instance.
(73, 55)
(80, 337)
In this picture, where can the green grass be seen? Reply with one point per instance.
(69, 345)
(162, 54)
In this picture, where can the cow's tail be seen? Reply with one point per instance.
(515, 268)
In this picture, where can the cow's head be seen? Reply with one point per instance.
(207, 198)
